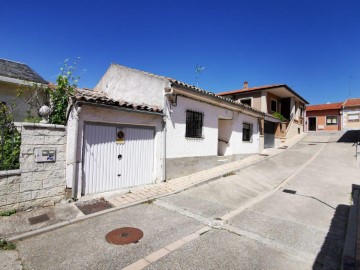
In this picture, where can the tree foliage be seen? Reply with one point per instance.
(61, 92)
(10, 140)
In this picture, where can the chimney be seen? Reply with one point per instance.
(246, 85)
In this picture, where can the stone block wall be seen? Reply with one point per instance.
(35, 184)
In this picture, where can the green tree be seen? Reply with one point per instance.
(10, 140)
(61, 93)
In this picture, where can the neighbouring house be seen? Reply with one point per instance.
(14, 77)
(137, 128)
(350, 114)
(323, 117)
(276, 100)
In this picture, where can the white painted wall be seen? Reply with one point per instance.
(111, 116)
(135, 86)
(180, 146)
(350, 125)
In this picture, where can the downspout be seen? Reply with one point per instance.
(168, 92)
(74, 157)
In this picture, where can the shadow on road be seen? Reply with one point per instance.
(330, 254)
(350, 136)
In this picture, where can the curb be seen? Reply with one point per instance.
(49, 228)
(348, 261)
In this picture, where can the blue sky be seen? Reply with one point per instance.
(311, 45)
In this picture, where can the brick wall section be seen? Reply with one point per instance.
(35, 183)
(321, 119)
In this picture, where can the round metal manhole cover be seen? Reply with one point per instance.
(124, 236)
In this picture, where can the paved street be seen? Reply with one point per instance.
(242, 221)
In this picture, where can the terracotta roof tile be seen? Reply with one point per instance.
(322, 107)
(101, 98)
(352, 102)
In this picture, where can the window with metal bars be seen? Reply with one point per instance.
(247, 132)
(194, 124)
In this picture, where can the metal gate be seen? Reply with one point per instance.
(269, 134)
(117, 157)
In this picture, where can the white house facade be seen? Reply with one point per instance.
(136, 128)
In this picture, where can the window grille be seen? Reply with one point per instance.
(194, 124)
(247, 132)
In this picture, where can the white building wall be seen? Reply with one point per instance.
(111, 116)
(180, 146)
(134, 86)
(350, 125)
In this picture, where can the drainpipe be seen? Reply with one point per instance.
(168, 92)
(74, 157)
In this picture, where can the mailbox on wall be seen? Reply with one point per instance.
(45, 155)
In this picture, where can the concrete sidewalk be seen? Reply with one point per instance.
(17, 227)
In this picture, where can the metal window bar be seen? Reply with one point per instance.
(194, 123)
(9, 148)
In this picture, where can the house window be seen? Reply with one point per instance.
(247, 132)
(331, 120)
(273, 106)
(194, 123)
(353, 117)
(246, 101)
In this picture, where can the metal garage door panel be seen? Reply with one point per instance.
(103, 169)
(269, 134)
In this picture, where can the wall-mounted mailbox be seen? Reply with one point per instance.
(45, 155)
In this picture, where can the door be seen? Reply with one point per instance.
(312, 123)
(117, 157)
(269, 134)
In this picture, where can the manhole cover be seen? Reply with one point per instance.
(264, 155)
(312, 143)
(283, 147)
(38, 219)
(93, 206)
(124, 236)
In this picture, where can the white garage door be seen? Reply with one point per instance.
(111, 162)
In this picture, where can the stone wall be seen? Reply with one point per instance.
(35, 184)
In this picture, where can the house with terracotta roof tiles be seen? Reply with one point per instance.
(323, 117)
(279, 100)
(350, 114)
(136, 128)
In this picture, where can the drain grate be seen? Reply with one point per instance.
(264, 155)
(124, 236)
(38, 219)
(312, 143)
(289, 191)
(94, 206)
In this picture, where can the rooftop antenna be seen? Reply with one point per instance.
(198, 71)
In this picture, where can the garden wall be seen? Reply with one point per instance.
(35, 184)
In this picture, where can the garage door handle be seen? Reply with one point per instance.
(119, 174)
(119, 157)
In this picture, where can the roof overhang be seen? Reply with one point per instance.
(17, 81)
(271, 118)
(213, 99)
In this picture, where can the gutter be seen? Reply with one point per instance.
(80, 103)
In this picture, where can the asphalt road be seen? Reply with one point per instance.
(250, 222)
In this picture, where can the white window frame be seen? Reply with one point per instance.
(331, 124)
(352, 114)
(251, 100)
(271, 100)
